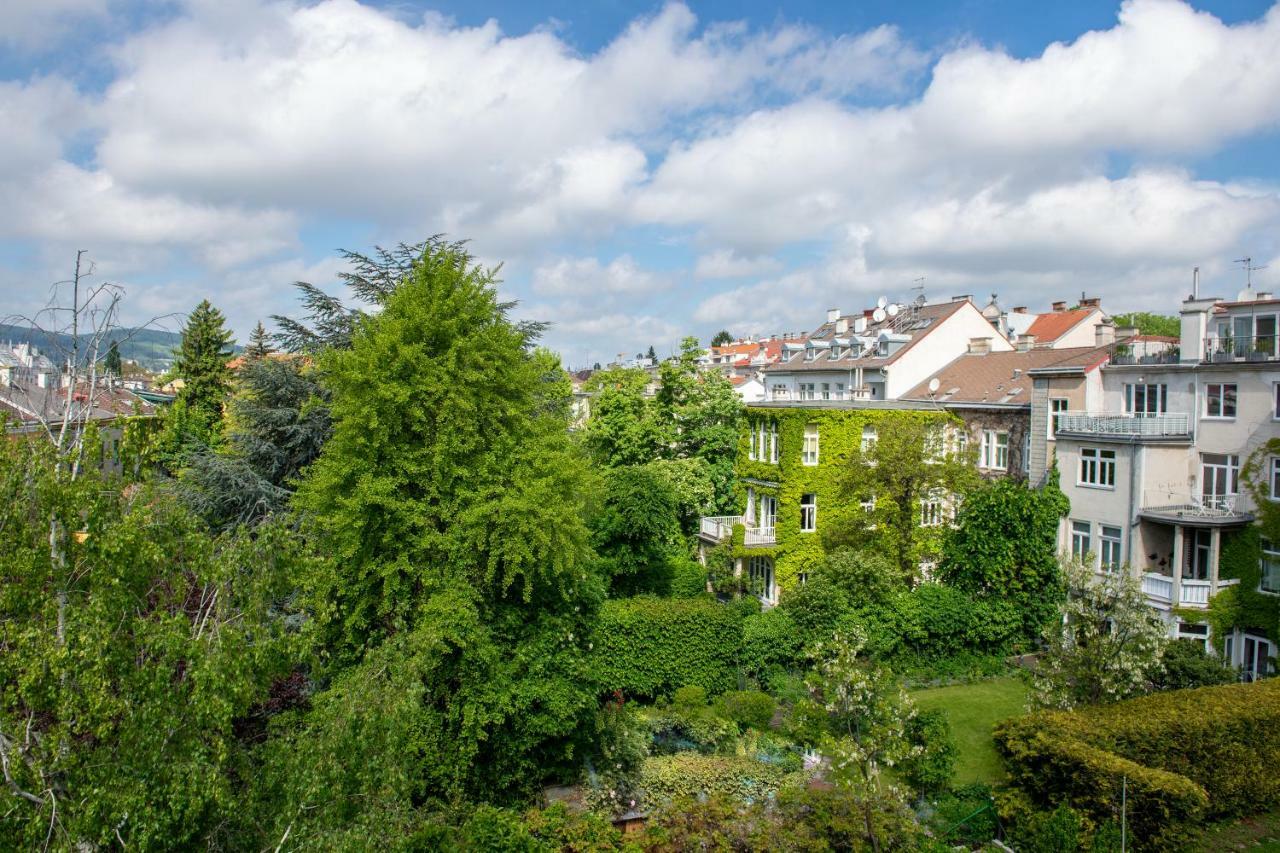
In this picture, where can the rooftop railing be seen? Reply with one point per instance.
(1226, 348)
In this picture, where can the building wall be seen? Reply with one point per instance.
(1083, 334)
(1015, 422)
(946, 341)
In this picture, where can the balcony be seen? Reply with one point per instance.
(1228, 349)
(1191, 593)
(759, 536)
(1126, 426)
(717, 528)
(1192, 509)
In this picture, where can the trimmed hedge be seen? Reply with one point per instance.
(648, 647)
(1188, 754)
(689, 774)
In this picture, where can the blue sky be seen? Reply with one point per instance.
(642, 171)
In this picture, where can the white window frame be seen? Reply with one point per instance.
(774, 452)
(1097, 469)
(1209, 470)
(1081, 537)
(994, 452)
(933, 511)
(1133, 391)
(808, 512)
(807, 391)
(1275, 478)
(1275, 401)
(811, 446)
(1221, 397)
(762, 569)
(1110, 548)
(1198, 632)
(1269, 564)
(869, 438)
(1057, 407)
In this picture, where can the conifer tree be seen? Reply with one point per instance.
(112, 363)
(201, 362)
(259, 344)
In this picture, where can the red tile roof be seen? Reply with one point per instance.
(1049, 327)
(990, 378)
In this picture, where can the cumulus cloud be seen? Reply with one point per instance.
(583, 276)
(725, 263)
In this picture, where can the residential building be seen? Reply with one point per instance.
(881, 353)
(1151, 452)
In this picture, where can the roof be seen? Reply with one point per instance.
(912, 323)
(1001, 377)
(1049, 327)
(30, 403)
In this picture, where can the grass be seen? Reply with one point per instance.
(972, 709)
(1258, 833)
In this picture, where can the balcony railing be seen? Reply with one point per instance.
(759, 536)
(1192, 506)
(1231, 349)
(1144, 351)
(1153, 426)
(718, 527)
(1191, 593)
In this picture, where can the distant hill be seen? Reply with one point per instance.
(151, 348)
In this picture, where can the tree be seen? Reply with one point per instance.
(457, 604)
(722, 338)
(625, 426)
(651, 354)
(259, 343)
(1106, 645)
(1004, 546)
(121, 703)
(201, 362)
(1149, 324)
(869, 713)
(637, 530)
(902, 472)
(112, 363)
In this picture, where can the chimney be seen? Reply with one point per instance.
(842, 326)
(859, 325)
(833, 314)
(963, 297)
(1021, 309)
(1263, 294)
(1103, 334)
(1059, 306)
(979, 346)
(1125, 332)
(1026, 343)
(1090, 302)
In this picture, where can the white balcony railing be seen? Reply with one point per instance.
(1126, 425)
(1191, 593)
(1192, 506)
(759, 536)
(718, 526)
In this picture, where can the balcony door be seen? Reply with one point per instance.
(768, 514)
(1219, 478)
(1197, 545)
(1256, 660)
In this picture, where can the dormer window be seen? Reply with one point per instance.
(837, 352)
(810, 353)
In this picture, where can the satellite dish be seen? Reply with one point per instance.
(881, 302)
(934, 384)
(878, 315)
(893, 310)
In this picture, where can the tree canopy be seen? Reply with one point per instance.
(201, 361)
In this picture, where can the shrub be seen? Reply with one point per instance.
(649, 646)
(688, 577)
(814, 608)
(930, 769)
(679, 730)
(770, 645)
(1186, 754)
(959, 817)
(749, 708)
(689, 697)
(690, 774)
(1186, 664)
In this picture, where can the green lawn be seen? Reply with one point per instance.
(972, 709)
(1257, 834)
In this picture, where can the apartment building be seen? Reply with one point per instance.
(1150, 452)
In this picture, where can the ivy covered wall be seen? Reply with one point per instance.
(840, 435)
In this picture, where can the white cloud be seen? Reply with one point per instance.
(586, 276)
(27, 23)
(725, 263)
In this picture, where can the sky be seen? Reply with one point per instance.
(642, 172)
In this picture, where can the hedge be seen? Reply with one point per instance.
(1188, 754)
(648, 647)
(689, 774)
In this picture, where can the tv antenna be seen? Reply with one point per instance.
(1249, 270)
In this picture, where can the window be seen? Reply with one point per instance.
(753, 447)
(780, 392)
(1026, 452)
(869, 436)
(836, 352)
(1219, 479)
(1057, 408)
(826, 390)
(808, 512)
(773, 442)
(1270, 565)
(1275, 478)
(1197, 633)
(806, 391)
(1097, 468)
(932, 511)
(839, 390)
(760, 571)
(802, 577)
(1144, 400)
(994, 453)
(1080, 544)
(810, 353)
(1198, 547)
(868, 505)
(935, 442)
(1109, 545)
(809, 452)
(1220, 400)
(962, 441)
(1275, 401)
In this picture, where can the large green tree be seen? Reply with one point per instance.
(457, 604)
(259, 343)
(201, 361)
(1004, 547)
